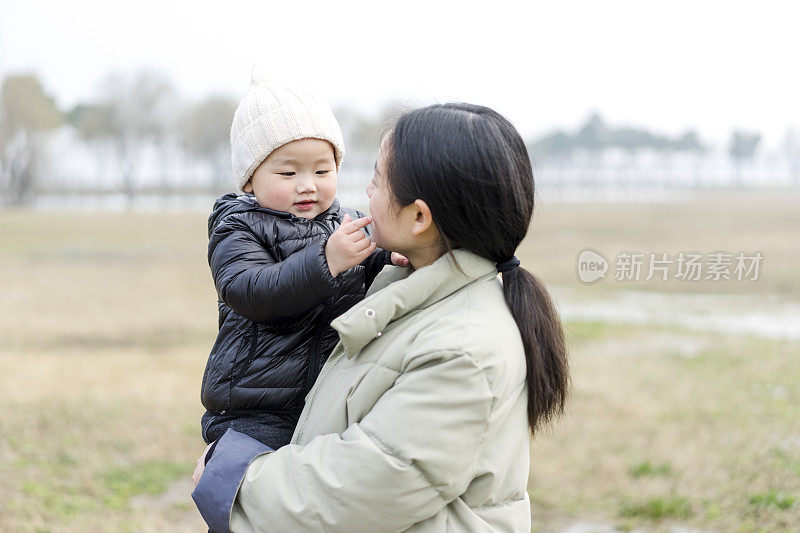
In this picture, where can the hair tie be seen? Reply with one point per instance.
(505, 266)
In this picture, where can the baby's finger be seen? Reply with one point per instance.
(350, 227)
(363, 254)
(357, 235)
(362, 244)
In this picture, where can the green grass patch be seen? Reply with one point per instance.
(592, 330)
(149, 478)
(59, 500)
(773, 499)
(646, 468)
(657, 508)
(585, 330)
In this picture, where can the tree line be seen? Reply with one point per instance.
(136, 112)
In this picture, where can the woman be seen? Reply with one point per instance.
(421, 418)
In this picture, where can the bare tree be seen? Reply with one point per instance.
(93, 124)
(133, 111)
(631, 141)
(690, 143)
(553, 150)
(26, 115)
(205, 134)
(363, 133)
(791, 148)
(742, 147)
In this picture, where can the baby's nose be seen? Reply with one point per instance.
(306, 185)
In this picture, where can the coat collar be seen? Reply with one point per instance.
(397, 292)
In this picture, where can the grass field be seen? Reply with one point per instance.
(106, 321)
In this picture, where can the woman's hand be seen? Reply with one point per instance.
(399, 260)
(201, 466)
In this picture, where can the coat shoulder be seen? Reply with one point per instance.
(474, 322)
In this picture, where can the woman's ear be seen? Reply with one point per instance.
(248, 187)
(423, 221)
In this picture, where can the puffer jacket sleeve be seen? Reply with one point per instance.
(374, 264)
(411, 455)
(252, 283)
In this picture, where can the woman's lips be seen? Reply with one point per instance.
(305, 205)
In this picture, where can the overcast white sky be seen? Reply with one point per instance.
(668, 66)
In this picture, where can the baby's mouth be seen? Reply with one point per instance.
(305, 204)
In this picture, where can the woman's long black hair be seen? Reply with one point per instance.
(470, 165)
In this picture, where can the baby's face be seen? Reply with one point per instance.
(299, 177)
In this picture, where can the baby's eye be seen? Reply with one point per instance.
(286, 173)
(322, 171)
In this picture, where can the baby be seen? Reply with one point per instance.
(286, 260)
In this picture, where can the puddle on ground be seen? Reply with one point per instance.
(733, 314)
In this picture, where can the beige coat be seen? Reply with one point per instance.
(417, 422)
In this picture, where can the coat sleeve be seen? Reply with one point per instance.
(252, 283)
(411, 455)
(217, 488)
(374, 264)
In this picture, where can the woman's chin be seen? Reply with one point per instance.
(376, 238)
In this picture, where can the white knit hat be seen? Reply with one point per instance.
(270, 115)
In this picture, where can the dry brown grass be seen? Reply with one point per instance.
(714, 429)
(104, 331)
(706, 222)
(106, 322)
(77, 422)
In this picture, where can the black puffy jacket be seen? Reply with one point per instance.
(277, 299)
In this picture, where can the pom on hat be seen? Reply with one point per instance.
(271, 114)
(260, 75)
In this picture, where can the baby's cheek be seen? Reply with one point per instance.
(325, 194)
(277, 197)
(330, 187)
(287, 196)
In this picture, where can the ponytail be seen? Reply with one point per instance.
(543, 338)
(463, 160)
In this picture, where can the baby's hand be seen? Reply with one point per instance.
(399, 260)
(348, 245)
